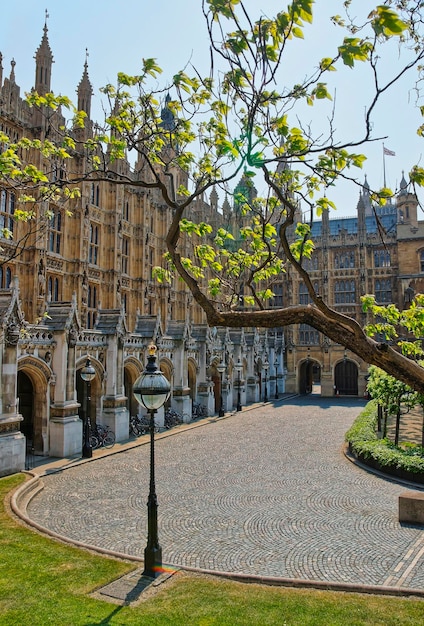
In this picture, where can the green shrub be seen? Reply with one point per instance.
(364, 443)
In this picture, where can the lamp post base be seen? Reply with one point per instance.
(153, 562)
(87, 452)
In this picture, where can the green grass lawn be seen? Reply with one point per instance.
(46, 582)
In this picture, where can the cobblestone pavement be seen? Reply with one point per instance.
(265, 492)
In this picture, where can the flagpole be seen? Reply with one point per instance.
(384, 167)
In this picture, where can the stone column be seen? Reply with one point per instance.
(115, 412)
(65, 424)
(12, 441)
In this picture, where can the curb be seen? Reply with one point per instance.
(23, 495)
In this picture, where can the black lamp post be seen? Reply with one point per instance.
(238, 368)
(276, 377)
(265, 366)
(152, 390)
(87, 374)
(221, 370)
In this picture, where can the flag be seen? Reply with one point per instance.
(388, 152)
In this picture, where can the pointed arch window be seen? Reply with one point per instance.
(308, 335)
(91, 306)
(5, 277)
(7, 210)
(95, 194)
(54, 288)
(382, 258)
(346, 260)
(304, 297)
(383, 290)
(345, 292)
(55, 232)
(8, 277)
(93, 255)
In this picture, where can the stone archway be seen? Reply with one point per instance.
(25, 393)
(32, 391)
(167, 369)
(96, 390)
(216, 379)
(310, 377)
(192, 379)
(132, 370)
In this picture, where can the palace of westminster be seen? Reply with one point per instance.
(83, 287)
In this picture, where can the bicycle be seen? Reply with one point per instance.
(102, 436)
(172, 418)
(198, 411)
(141, 425)
(137, 428)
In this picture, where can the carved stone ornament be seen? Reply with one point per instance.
(72, 337)
(12, 333)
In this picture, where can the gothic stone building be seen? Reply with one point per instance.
(83, 287)
(380, 251)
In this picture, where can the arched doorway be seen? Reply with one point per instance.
(192, 379)
(25, 393)
(81, 386)
(306, 375)
(216, 379)
(346, 378)
(167, 369)
(132, 370)
(132, 404)
(32, 388)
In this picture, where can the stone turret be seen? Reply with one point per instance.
(43, 64)
(85, 90)
(407, 205)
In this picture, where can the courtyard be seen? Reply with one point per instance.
(266, 492)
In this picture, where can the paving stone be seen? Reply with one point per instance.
(265, 492)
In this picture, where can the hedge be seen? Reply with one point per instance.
(404, 462)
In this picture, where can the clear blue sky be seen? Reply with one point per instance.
(119, 35)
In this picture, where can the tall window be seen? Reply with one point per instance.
(308, 335)
(277, 300)
(7, 209)
(126, 211)
(422, 261)
(310, 264)
(125, 255)
(304, 297)
(93, 256)
(91, 306)
(345, 260)
(95, 194)
(5, 277)
(151, 258)
(383, 290)
(345, 292)
(381, 258)
(53, 288)
(55, 232)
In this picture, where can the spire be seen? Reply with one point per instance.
(43, 63)
(365, 198)
(167, 116)
(1, 70)
(403, 185)
(12, 71)
(85, 89)
(213, 198)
